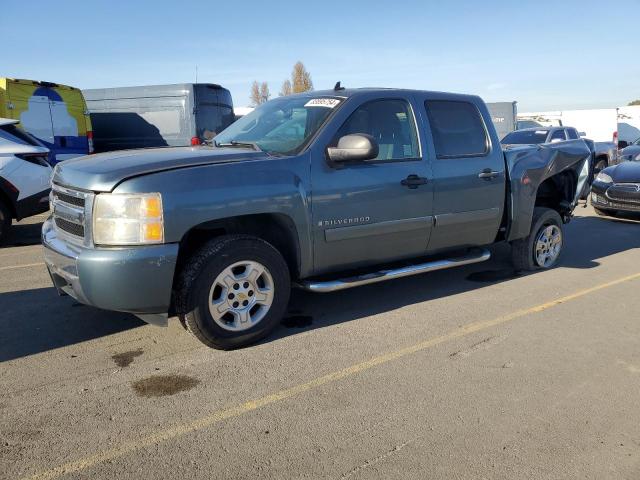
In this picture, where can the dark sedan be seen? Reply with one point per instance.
(617, 189)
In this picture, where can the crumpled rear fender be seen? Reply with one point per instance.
(529, 166)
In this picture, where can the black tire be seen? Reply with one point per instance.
(523, 250)
(192, 298)
(600, 165)
(5, 221)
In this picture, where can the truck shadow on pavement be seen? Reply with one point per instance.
(587, 239)
(37, 320)
(23, 234)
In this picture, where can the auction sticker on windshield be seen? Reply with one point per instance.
(322, 102)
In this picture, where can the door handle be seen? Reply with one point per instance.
(413, 181)
(488, 174)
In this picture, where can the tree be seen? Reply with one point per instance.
(264, 92)
(300, 78)
(286, 88)
(634, 103)
(259, 93)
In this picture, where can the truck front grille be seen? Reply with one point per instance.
(71, 213)
(69, 227)
(69, 199)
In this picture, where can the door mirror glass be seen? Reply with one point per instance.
(354, 147)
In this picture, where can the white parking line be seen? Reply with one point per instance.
(26, 265)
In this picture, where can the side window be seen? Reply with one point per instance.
(572, 133)
(558, 135)
(457, 129)
(390, 123)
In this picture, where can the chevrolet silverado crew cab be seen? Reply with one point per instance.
(324, 190)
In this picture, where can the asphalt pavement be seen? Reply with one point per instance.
(474, 372)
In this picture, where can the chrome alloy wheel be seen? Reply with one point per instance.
(548, 246)
(241, 296)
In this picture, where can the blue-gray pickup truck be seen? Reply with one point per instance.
(323, 191)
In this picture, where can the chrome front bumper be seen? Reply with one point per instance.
(136, 280)
(61, 259)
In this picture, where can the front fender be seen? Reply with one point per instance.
(528, 168)
(196, 195)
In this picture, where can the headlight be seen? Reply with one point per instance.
(128, 219)
(604, 178)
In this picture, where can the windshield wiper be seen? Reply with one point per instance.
(234, 143)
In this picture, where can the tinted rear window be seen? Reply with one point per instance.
(16, 135)
(457, 128)
(525, 137)
(573, 134)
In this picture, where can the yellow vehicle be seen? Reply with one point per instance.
(55, 114)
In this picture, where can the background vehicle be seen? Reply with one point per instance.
(24, 175)
(158, 115)
(617, 189)
(327, 189)
(503, 116)
(631, 151)
(55, 114)
(538, 135)
(604, 153)
(600, 125)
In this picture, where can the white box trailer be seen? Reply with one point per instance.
(600, 125)
(503, 116)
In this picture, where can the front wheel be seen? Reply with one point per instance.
(542, 247)
(233, 292)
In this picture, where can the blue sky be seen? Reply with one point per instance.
(546, 54)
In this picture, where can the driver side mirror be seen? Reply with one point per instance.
(354, 147)
(622, 144)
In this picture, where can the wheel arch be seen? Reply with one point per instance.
(277, 229)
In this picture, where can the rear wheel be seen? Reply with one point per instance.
(5, 221)
(601, 164)
(541, 249)
(233, 292)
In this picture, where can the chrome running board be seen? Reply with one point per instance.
(475, 256)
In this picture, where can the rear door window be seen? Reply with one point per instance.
(12, 134)
(457, 128)
(558, 135)
(572, 133)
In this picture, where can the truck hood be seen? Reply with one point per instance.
(104, 171)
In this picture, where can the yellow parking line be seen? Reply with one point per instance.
(221, 415)
(13, 267)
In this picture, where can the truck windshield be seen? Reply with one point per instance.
(528, 137)
(281, 126)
